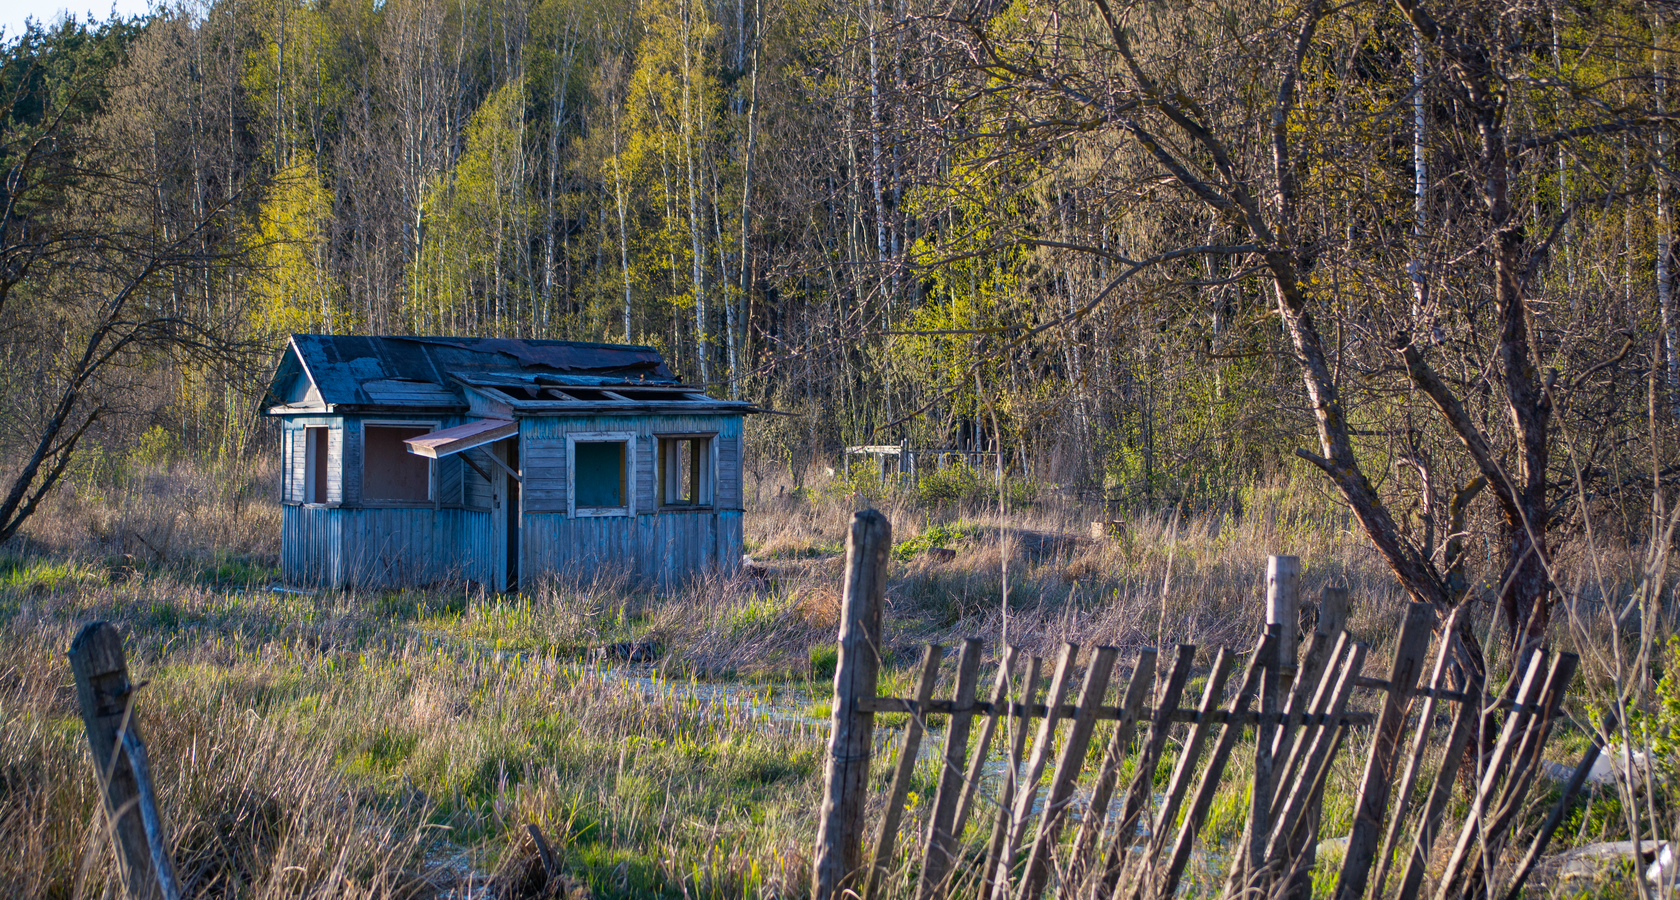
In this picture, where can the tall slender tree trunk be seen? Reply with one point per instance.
(623, 229)
(691, 149)
(1665, 240)
(1420, 178)
(746, 202)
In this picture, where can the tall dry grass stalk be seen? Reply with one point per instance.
(395, 743)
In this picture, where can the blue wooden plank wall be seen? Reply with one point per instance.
(666, 549)
(377, 548)
(388, 547)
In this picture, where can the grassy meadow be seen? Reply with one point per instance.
(396, 744)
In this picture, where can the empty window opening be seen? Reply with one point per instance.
(685, 471)
(598, 475)
(389, 471)
(315, 465)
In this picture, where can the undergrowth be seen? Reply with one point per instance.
(396, 743)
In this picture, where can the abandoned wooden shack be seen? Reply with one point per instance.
(419, 460)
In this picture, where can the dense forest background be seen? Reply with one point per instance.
(901, 220)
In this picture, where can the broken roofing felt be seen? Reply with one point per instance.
(349, 372)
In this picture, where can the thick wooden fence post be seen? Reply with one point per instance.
(1283, 604)
(846, 776)
(105, 695)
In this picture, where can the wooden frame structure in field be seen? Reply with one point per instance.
(415, 460)
(1041, 829)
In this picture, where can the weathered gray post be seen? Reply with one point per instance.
(1283, 604)
(846, 775)
(119, 758)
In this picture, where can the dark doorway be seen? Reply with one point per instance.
(511, 510)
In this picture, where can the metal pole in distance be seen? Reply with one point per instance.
(105, 695)
(846, 774)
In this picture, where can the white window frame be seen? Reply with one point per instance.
(628, 438)
(708, 472)
(431, 464)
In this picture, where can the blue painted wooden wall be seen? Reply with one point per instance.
(345, 543)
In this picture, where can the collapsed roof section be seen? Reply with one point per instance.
(499, 377)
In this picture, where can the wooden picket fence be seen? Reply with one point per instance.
(1299, 709)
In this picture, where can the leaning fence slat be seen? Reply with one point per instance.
(1315, 713)
(1327, 633)
(1555, 818)
(1415, 759)
(1119, 746)
(1374, 787)
(1314, 756)
(983, 745)
(1515, 723)
(1028, 793)
(1525, 762)
(1466, 719)
(1067, 770)
(1260, 792)
(1298, 837)
(106, 698)
(1011, 776)
(887, 837)
(1520, 773)
(1184, 769)
(1209, 783)
(1138, 793)
(1326, 637)
(942, 839)
(851, 736)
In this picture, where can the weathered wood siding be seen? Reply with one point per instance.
(352, 490)
(665, 547)
(335, 462)
(341, 544)
(378, 548)
(729, 469)
(449, 480)
(475, 491)
(296, 479)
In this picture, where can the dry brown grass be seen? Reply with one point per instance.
(393, 744)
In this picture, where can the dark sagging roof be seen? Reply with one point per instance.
(352, 373)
